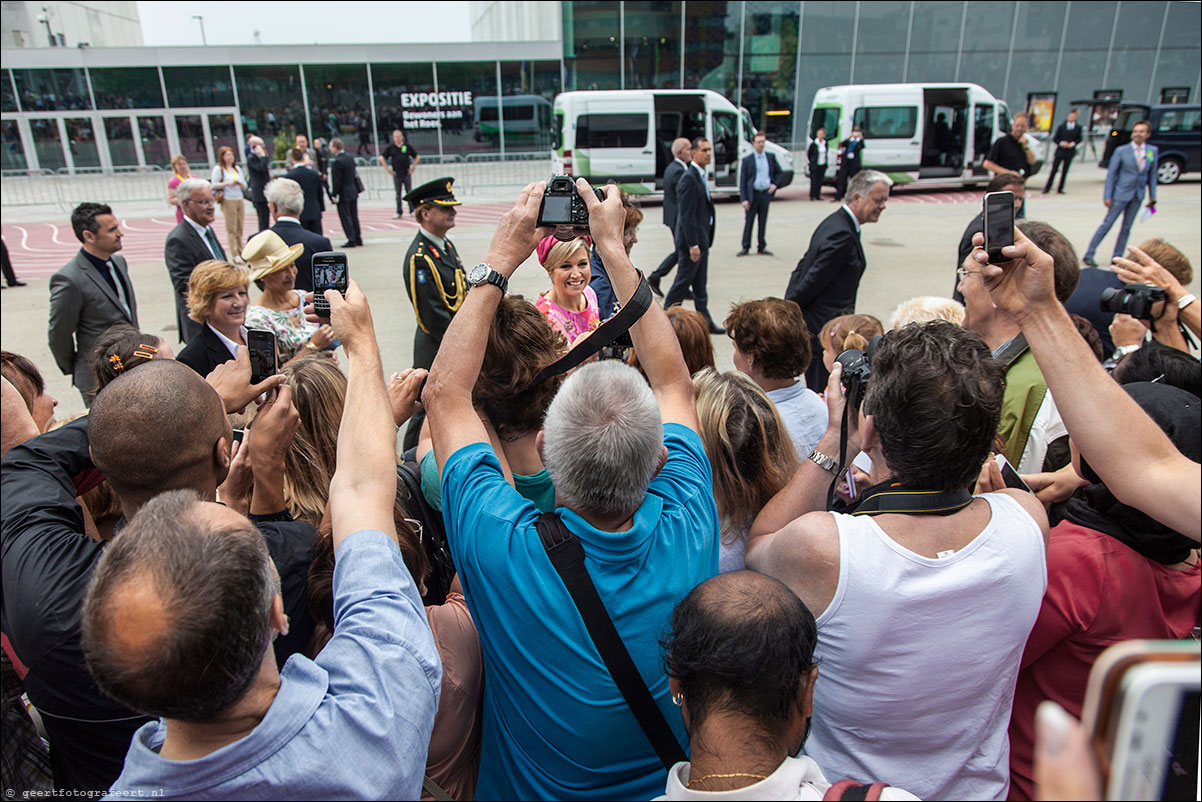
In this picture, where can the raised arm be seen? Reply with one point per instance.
(1141, 467)
(363, 490)
(448, 394)
(654, 339)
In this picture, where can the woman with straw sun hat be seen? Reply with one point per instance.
(280, 309)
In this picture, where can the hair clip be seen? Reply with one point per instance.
(146, 351)
(834, 331)
(115, 361)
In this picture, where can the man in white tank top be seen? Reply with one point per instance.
(925, 595)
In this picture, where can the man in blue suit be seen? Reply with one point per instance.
(757, 185)
(1132, 170)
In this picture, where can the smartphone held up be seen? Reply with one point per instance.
(329, 273)
(264, 358)
(999, 224)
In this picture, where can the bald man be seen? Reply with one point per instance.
(682, 154)
(133, 435)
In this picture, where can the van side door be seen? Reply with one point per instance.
(615, 139)
(892, 130)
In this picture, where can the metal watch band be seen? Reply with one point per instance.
(824, 462)
(1186, 300)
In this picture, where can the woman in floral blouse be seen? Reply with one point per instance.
(280, 309)
(570, 305)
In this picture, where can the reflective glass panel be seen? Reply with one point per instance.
(770, 66)
(52, 90)
(270, 95)
(402, 103)
(338, 99)
(192, 141)
(528, 88)
(711, 48)
(6, 91)
(199, 86)
(12, 157)
(120, 136)
(590, 45)
(81, 138)
(155, 147)
(48, 144)
(224, 134)
(126, 88)
(652, 44)
(464, 89)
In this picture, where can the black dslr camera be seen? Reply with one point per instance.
(1132, 299)
(857, 370)
(563, 207)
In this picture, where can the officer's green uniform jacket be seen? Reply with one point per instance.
(436, 285)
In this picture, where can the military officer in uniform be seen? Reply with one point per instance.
(434, 277)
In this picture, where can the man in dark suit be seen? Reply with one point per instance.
(344, 188)
(258, 172)
(819, 156)
(287, 202)
(89, 295)
(1067, 137)
(825, 281)
(852, 151)
(682, 154)
(694, 234)
(310, 184)
(191, 242)
(757, 185)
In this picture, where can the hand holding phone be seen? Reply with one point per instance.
(330, 272)
(264, 360)
(1009, 475)
(999, 224)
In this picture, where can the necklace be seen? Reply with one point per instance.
(705, 777)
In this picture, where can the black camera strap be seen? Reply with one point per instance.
(602, 336)
(897, 497)
(567, 555)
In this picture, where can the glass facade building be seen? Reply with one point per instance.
(128, 108)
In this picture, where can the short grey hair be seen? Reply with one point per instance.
(287, 196)
(863, 182)
(602, 439)
(186, 188)
(216, 583)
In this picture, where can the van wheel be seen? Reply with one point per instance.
(1170, 170)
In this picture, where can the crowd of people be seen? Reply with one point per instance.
(598, 567)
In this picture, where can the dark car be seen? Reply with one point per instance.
(1176, 133)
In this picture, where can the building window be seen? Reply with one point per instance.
(271, 101)
(52, 90)
(6, 91)
(127, 88)
(590, 45)
(13, 154)
(652, 44)
(400, 106)
(339, 102)
(191, 87)
(464, 87)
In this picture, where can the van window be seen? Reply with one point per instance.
(748, 128)
(726, 138)
(519, 112)
(887, 122)
(557, 130)
(982, 129)
(826, 118)
(1181, 120)
(488, 114)
(1127, 118)
(1003, 118)
(611, 131)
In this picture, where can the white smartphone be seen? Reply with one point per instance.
(1009, 475)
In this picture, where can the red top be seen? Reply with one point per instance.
(1100, 592)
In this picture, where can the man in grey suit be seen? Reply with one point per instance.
(191, 242)
(682, 154)
(1132, 172)
(89, 295)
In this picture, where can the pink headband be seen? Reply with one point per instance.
(548, 242)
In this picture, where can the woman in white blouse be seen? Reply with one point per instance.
(229, 184)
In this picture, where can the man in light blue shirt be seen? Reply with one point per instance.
(758, 175)
(632, 483)
(183, 607)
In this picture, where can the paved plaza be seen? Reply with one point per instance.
(911, 251)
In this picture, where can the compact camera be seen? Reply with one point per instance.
(1132, 299)
(563, 207)
(857, 370)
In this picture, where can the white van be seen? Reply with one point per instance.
(915, 133)
(527, 120)
(626, 135)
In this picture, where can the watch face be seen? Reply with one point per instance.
(477, 274)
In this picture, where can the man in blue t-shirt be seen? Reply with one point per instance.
(632, 483)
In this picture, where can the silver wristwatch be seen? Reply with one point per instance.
(824, 462)
(484, 274)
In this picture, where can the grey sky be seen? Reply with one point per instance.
(303, 22)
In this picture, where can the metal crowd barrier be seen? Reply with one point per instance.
(64, 191)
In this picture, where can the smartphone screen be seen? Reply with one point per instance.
(261, 345)
(1009, 475)
(329, 273)
(999, 224)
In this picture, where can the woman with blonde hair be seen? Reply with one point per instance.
(318, 393)
(179, 166)
(217, 297)
(229, 185)
(750, 453)
(570, 306)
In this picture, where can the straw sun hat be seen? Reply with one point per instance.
(266, 253)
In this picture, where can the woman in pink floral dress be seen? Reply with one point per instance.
(570, 305)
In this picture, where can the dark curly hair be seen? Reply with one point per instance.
(520, 344)
(773, 333)
(740, 642)
(936, 398)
